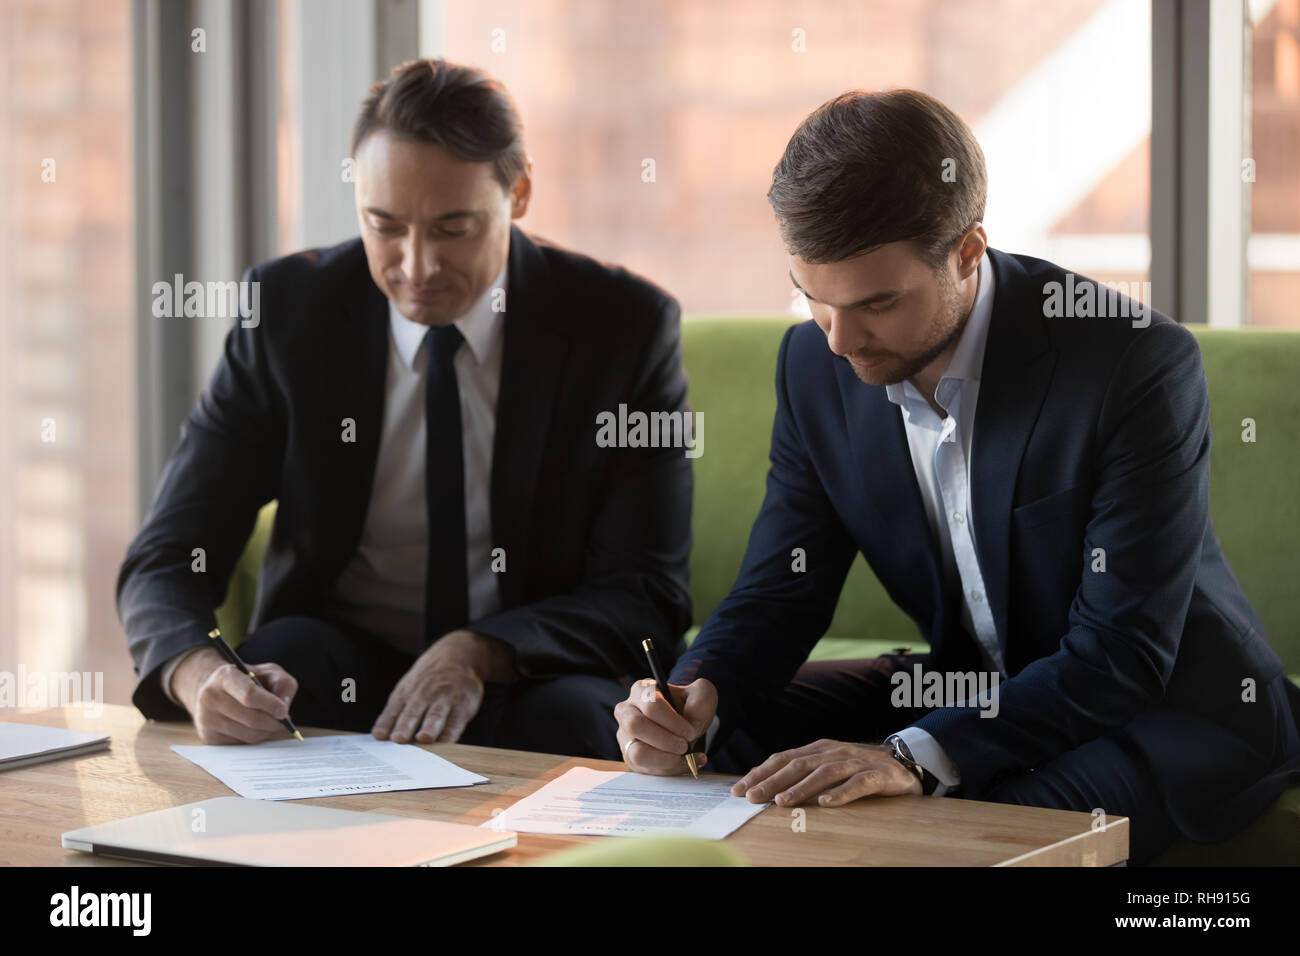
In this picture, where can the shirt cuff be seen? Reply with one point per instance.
(932, 757)
(169, 669)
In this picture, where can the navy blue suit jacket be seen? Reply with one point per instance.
(597, 540)
(1089, 433)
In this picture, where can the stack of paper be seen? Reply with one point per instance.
(22, 744)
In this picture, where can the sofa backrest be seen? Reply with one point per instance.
(731, 364)
(1255, 485)
(731, 370)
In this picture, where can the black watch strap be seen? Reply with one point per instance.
(929, 782)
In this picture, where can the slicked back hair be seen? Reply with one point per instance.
(460, 108)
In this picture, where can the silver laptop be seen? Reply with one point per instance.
(237, 831)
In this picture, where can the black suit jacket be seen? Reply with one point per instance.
(1089, 433)
(597, 540)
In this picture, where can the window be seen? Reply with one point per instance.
(67, 359)
(1273, 249)
(654, 135)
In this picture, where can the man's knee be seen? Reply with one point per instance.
(1105, 778)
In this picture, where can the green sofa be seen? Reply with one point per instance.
(731, 364)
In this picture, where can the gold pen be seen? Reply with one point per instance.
(661, 682)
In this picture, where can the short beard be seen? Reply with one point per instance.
(949, 306)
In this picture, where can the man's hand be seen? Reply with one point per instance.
(654, 738)
(829, 771)
(227, 707)
(437, 698)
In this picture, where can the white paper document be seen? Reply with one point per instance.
(326, 767)
(587, 802)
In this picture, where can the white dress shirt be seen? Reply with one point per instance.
(381, 590)
(941, 457)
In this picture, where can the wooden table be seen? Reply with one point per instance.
(140, 773)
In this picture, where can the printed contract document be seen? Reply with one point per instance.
(586, 802)
(326, 767)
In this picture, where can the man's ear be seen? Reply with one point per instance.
(973, 246)
(522, 193)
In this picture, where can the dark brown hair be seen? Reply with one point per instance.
(866, 169)
(457, 107)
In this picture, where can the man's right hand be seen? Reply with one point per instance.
(654, 738)
(227, 707)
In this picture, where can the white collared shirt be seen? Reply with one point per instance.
(381, 590)
(941, 457)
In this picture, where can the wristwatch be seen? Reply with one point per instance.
(901, 753)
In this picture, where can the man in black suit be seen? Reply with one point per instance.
(455, 556)
(1029, 482)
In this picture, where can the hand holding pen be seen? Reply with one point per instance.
(228, 652)
(658, 724)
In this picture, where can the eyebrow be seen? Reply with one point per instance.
(454, 214)
(869, 300)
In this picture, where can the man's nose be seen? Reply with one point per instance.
(420, 260)
(841, 336)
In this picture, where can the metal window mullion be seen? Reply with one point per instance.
(163, 247)
(1199, 202)
(1227, 196)
(1166, 152)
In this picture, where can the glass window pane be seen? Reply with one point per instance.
(67, 337)
(711, 93)
(1273, 249)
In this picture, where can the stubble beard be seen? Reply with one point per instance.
(894, 371)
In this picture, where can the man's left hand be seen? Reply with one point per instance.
(828, 771)
(437, 698)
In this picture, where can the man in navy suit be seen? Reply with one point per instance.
(1022, 457)
(455, 555)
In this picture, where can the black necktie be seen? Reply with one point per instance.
(446, 602)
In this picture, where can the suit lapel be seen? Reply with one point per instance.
(882, 458)
(1018, 364)
(356, 363)
(531, 368)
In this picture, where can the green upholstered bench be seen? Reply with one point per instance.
(731, 364)
(664, 850)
